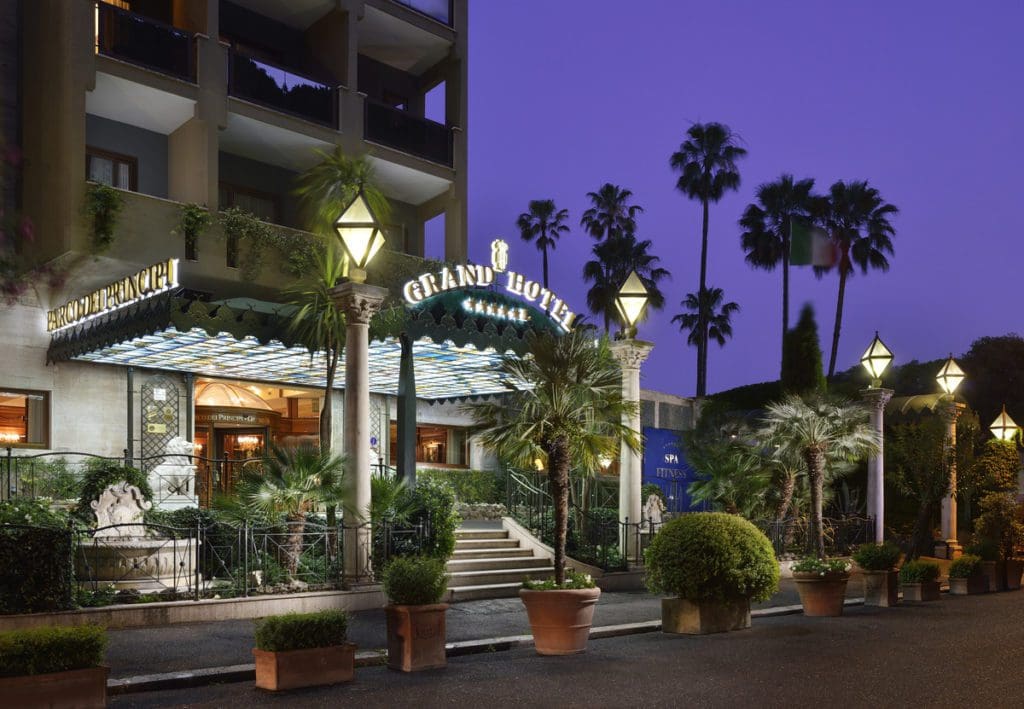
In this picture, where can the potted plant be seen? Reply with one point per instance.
(713, 564)
(821, 584)
(877, 563)
(966, 576)
(992, 567)
(303, 650)
(416, 616)
(920, 581)
(53, 667)
(560, 614)
(1000, 523)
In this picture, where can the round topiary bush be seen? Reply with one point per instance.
(712, 556)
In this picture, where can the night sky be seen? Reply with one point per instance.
(924, 100)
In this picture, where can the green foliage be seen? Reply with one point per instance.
(995, 375)
(470, 486)
(101, 473)
(184, 519)
(748, 397)
(242, 227)
(298, 631)
(36, 570)
(326, 190)
(1000, 522)
(815, 565)
(192, 222)
(38, 651)
(712, 556)
(877, 557)
(918, 571)
(965, 567)
(987, 549)
(36, 513)
(415, 580)
(574, 581)
(802, 371)
(648, 489)
(103, 205)
(997, 468)
(433, 500)
(50, 478)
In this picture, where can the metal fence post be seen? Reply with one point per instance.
(198, 548)
(245, 565)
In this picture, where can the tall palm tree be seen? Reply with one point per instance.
(819, 430)
(610, 213)
(856, 218)
(706, 162)
(545, 224)
(767, 227)
(569, 413)
(708, 317)
(614, 258)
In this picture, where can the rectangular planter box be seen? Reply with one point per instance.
(689, 618)
(311, 667)
(416, 636)
(881, 588)
(918, 592)
(1014, 570)
(81, 689)
(995, 572)
(969, 586)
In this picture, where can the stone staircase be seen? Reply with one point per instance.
(489, 564)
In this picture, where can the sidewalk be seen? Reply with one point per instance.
(176, 648)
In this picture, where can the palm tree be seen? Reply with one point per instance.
(545, 223)
(856, 218)
(766, 228)
(818, 430)
(569, 413)
(706, 162)
(615, 258)
(707, 316)
(610, 213)
(328, 187)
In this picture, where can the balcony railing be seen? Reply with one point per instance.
(440, 10)
(401, 130)
(146, 42)
(282, 89)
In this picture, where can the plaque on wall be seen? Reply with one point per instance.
(160, 419)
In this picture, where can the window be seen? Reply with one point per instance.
(262, 204)
(440, 445)
(24, 418)
(111, 169)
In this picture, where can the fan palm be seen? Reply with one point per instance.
(766, 228)
(706, 162)
(569, 413)
(615, 258)
(328, 187)
(707, 315)
(544, 223)
(818, 430)
(610, 213)
(857, 220)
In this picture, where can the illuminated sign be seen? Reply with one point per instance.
(428, 285)
(131, 289)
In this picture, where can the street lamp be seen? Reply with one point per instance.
(360, 235)
(875, 359)
(950, 376)
(1004, 427)
(631, 302)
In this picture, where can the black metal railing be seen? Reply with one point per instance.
(403, 131)
(440, 10)
(282, 89)
(792, 537)
(141, 40)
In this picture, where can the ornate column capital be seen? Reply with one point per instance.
(631, 353)
(358, 301)
(876, 398)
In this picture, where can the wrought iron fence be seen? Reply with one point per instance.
(792, 536)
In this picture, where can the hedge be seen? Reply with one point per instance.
(52, 649)
(470, 486)
(298, 631)
(36, 570)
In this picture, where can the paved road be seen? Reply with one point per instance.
(960, 651)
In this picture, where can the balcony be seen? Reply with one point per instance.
(283, 90)
(440, 10)
(403, 131)
(139, 40)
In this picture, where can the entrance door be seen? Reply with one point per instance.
(234, 449)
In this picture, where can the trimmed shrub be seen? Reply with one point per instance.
(101, 474)
(712, 556)
(40, 651)
(298, 631)
(918, 571)
(470, 486)
(877, 557)
(433, 501)
(965, 567)
(415, 580)
(987, 549)
(36, 571)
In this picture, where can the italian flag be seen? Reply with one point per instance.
(810, 246)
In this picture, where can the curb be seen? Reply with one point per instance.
(369, 658)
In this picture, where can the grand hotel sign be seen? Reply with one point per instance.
(497, 275)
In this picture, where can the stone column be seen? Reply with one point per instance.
(359, 302)
(630, 355)
(951, 412)
(876, 400)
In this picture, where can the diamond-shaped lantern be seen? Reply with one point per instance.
(1004, 427)
(875, 359)
(360, 235)
(950, 376)
(631, 300)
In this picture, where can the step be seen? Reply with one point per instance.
(467, 544)
(477, 578)
(491, 590)
(494, 564)
(504, 553)
(464, 534)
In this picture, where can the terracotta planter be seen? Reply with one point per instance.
(312, 667)
(969, 586)
(416, 636)
(921, 592)
(560, 620)
(822, 596)
(1014, 570)
(995, 572)
(881, 588)
(82, 689)
(681, 616)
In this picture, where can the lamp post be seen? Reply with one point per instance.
(631, 303)
(949, 378)
(361, 237)
(1004, 428)
(875, 360)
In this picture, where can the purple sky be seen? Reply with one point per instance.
(922, 99)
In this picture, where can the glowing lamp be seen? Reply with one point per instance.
(950, 376)
(605, 462)
(1004, 427)
(360, 235)
(875, 359)
(631, 300)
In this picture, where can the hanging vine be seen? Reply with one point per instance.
(103, 205)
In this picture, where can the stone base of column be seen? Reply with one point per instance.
(948, 549)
